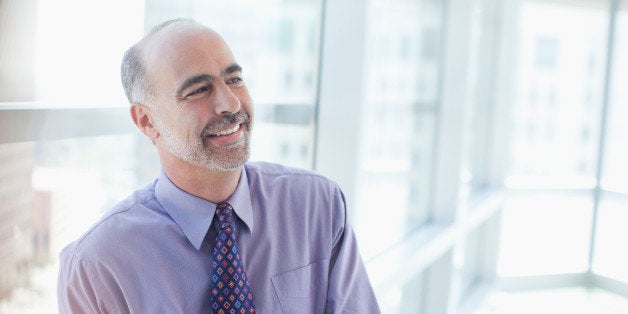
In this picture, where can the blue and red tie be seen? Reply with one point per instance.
(230, 291)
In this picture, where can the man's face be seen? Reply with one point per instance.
(201, 107)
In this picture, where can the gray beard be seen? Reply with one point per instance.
(201, 154)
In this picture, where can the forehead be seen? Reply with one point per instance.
(183, 50)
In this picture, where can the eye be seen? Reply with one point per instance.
(235, 80)
(197, 91)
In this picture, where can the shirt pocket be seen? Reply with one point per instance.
(304, 289)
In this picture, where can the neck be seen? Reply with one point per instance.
(211, 185)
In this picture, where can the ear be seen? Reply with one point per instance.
(141, 116)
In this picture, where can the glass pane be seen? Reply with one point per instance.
(48, 55)
(403, 64)
(611, 234)
(615, 175)
(17, 51)
(478, 111)
(277, 47)
(405, 298)
(78, 55)
(560, 75)
(554, 300)
(16, 194)
(467, 260)
(545, 234)
(51, 192)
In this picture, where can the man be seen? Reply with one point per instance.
(212, 234)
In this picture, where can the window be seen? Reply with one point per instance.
(615, 168)
(551, 159)
(51, 192)
(78, 56)
(609, 259)
(530, 243)
(403, 68)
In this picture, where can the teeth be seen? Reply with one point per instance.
(227, 131)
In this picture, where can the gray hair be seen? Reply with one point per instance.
(135, 80)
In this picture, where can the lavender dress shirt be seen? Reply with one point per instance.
(152, 252)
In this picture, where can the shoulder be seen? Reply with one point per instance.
(303, 189)
(270, 171)
(301, 199)
(116, 225)
(290, 181)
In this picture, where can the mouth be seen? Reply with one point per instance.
(227, 138)
(226, 132)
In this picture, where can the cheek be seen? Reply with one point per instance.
(247, 105)
(184, 125)
(250, 111)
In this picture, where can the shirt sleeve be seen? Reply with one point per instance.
(349, 288)
(79, 289)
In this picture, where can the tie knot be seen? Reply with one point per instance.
(224, 214)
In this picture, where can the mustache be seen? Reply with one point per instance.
(225, 121)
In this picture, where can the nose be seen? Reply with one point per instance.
(225, 101)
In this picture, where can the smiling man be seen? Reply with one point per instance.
(213, 233)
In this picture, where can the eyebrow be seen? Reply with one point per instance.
(206, 78)
(194, 80)
(232, 69)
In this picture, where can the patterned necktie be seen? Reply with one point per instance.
(230, 292)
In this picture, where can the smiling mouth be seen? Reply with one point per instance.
(229, 131)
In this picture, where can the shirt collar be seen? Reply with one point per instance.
(193, 214)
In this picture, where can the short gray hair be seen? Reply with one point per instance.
(134, 77)
(135, 80)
